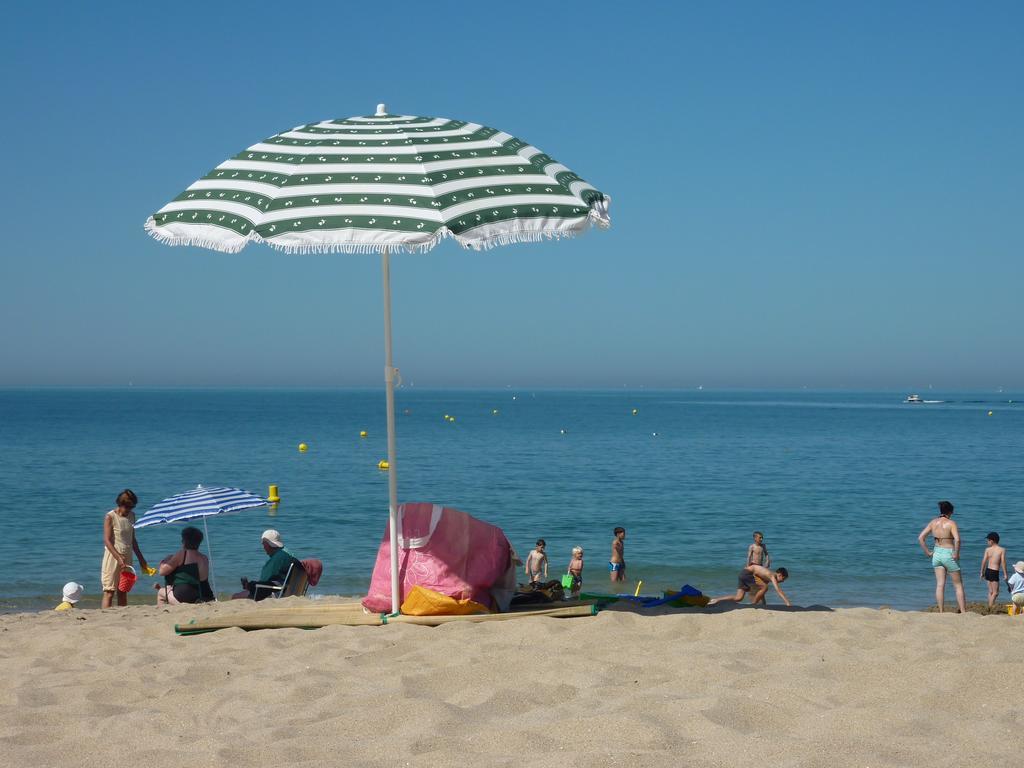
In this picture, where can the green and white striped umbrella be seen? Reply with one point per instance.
(380, 184)
(394, 182)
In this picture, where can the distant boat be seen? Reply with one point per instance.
(913, 399)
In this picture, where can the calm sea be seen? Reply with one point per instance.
(840, 482)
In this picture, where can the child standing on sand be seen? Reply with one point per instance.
(992, 562)
(119, 543)
(576, 570)
(537, 563)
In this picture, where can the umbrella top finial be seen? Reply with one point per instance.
(381, 110)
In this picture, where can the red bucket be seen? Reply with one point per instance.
(127, 580)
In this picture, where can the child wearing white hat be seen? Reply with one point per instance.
(1016, 585)
(73, 592)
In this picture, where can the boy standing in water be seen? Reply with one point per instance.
(992, 562)
(945, 555)
(617, 563)
(757, 554)
(537, 563)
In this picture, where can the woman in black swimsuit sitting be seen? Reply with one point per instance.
(185, 573)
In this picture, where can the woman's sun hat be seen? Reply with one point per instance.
(73, 592)
(1019, 567)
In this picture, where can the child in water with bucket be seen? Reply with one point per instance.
(576, 571)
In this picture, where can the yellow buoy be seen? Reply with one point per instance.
(383, 464)
(446, 417)
(990, 413)
(363, 433)
(303, 447)
(272, 496)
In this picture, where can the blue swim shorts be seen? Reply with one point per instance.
(615, 567)
(942, 557)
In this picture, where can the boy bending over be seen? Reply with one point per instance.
(748, 583)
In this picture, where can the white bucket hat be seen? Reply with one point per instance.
(273, 538)
(73, 592)
(1019, 566)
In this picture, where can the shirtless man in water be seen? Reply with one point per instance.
(945, 555)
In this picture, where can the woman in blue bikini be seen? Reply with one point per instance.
(945, 555)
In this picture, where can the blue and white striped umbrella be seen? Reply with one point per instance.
(201, 502)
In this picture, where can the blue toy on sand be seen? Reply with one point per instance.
(685, 597)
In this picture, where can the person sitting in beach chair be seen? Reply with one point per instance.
(274, 572)
(748, 584)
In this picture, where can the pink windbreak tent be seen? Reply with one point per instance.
(448, 551)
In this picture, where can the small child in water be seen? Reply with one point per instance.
(72, 593)
(992, 562)
(537, 563)
(757, 553)
(576, 570)
(617, 562)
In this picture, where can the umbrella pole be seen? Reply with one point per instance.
(389, 380)
(210, 550)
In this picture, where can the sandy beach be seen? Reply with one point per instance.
(855, 687)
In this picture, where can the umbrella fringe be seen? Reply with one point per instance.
(523, 236)
(353, 247)
(200, 242)
(596, 216)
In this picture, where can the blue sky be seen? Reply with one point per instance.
(803, 194)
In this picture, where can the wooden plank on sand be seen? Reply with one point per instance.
(302, 617)
(476, 618)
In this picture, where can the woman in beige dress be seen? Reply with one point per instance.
(119, 541)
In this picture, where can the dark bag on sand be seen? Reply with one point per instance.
(538, 592)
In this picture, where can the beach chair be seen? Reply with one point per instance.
(296, 581)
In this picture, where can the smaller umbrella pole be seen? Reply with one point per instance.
(389, 380)
(210, 550)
